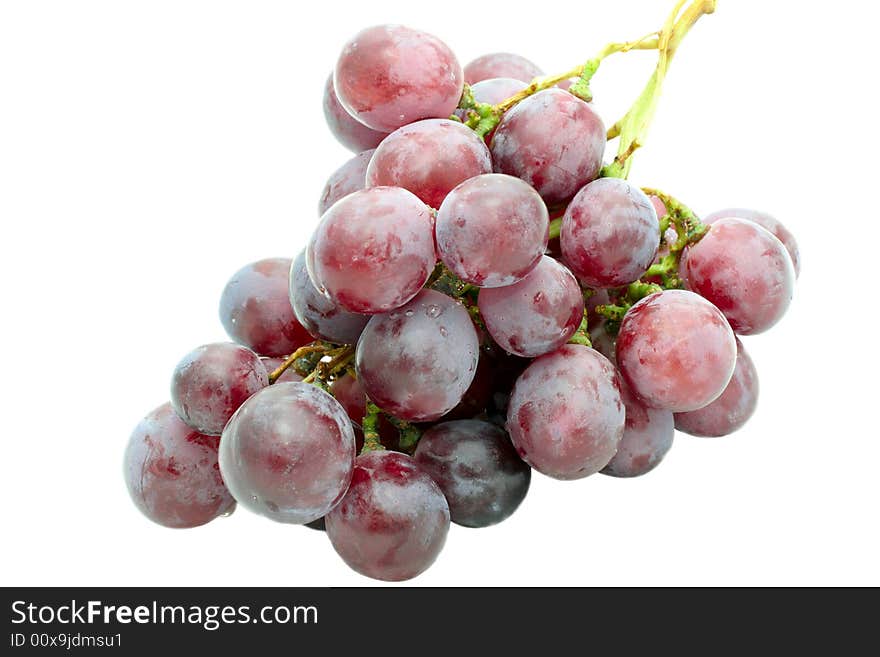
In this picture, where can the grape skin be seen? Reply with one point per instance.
(476, 397)
(565, 416)
(646, 439)
(492, 230)
(476, 467)
(255, 309)
(429, 158)
(349, 178)
(676, 351)
(320, 316)
(553, 141)
(745, 271)
(349, 132)
(610, 234)
(171, 472)
(501, 65)
(492, 92)
(393, 522)
(767, 221)
(373, 250)
(288, 453)
(212, 381)
(538, 314)
(732, 409)
(417, 362)
(391, 75)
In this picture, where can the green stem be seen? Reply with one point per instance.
(555, 228)
(409, 434)
(582, 335)
(370, 426)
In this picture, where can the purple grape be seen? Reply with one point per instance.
(212, 381)
(676, 351)
(321, 317)
(393, 522)
(350, 132)
(429, 158)
(501, 65)
(477, 469)
(552, 140)
(255, 309)
(417, 362)
(492, 230)
(767, 221)
(288, 453)
(610, 233)
(745, 271)
(349, 178)
(476, 397)
(373, 250)
(391, 75)
(171, 472)
(646, 439)
(732, 409)
(565, 416)
(536, 315)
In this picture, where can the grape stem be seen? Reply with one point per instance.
(339, 359)
(370, 425)
(582, 335)
(314, 347)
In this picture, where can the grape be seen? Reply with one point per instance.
(416, 362)
(501, 65)
(477, 469)
(492, 230)
(171, 472)
(429, 158)
(320, 316)
(745, 271)
(676, 351)
(350, 132)
(289, 376)
(565, 416)
(769, 222)
(610, 233)
(553, 141)
(350, 177)
(255, 309)
(536, 315)
(506, 369)
(597, 298)
(393, 522)
(646, 439)
(349, 392)
(373, 250)
(288, 453)
(732, 409)
(212, 381)
(476, 397)
(492, 92)
(391, 75)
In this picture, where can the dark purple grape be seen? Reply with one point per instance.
(393, 522)
(288, 453)
(211, 382)
(476, 397)
(171, 472)
(349, 178)
(501, 65)
(477, 469)
(350, 132)
(767, 221)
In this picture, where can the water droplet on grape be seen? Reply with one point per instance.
(443, 331)
(409, 313)
(433, 311)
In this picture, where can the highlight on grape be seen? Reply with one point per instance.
(484, 294)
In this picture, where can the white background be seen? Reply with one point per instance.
(149, 149)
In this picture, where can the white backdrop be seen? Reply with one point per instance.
(149, 149)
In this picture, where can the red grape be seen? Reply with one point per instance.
(350, 177)
(610, 233)
(255, 309)
(416, 362)
(476, 397)
(288, 453)
(767, 221)
(676, 351)
(373, 250)
(477, 469)
(349, 392)
(429, 158)
(501, 65)
(492, 230)
(745, 271)
(492, 92)
(212, 381)
(565, 416)
(536, 315)
(732, 409)
(171, 472)
(552, 140)
(391, 75)
(393, 522)
(350, 132)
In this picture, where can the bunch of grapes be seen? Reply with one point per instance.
(481, 297)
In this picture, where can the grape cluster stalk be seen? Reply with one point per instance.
(485, 294)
